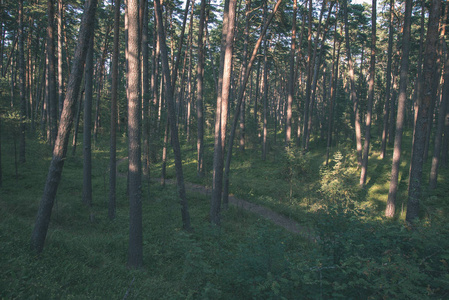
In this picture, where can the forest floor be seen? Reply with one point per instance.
(278, 219)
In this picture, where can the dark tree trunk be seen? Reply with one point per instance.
(391, 202)
(199, 100)
(60, 77)
(309, 77)
(52, 99)
(77, 118)
(114, 91)
(369, 110)
(145, 93)
(291, 78)
(135, 248)
(22, 86)
(60, 149)
(441, 113)
(172, 118)
(87, 128)
(422, 121)
(355, 101)
(224, 84)
(388, 84)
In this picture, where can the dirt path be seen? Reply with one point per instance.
(278, 219)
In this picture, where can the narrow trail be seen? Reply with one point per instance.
(278, 219)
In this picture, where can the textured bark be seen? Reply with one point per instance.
(145, 93)
(369, 109)
(87, 128)
(172, 118)
(135, 247)
(441, 113)
(22, 87)
(199, 94)
(246, 71)
(391, 202)
(60, 149)
(355, 101)
(224, 81)
(388, 83)
(60, 38)
(422, 121)
(52, 98)
(291, 78)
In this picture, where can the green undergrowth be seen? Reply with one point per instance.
(353, 254)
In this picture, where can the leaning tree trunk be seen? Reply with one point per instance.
(422, 121)
(391, 206)
(172, 118)
(60, 149)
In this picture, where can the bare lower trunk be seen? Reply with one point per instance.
(60, 149)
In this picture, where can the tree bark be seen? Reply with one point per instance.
(60, 76)
(355, 101)
(135, 247)
(422, 121)
(22, 150)
(369, 110)
(172, 118)
(60, 149)
(291, 78)
(52, 99)
(388, 83)
(199, 94)
(391, 202)
(87, 126)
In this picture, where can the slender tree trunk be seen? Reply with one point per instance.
(114, 96)
(391, 202)
(145, 94)
(369, 110)
(135, 248)
(422, 122)
(309, 77)
(52, 99)
(246, 71)
(388, 83)
(60, 149)
(442, 111)
(60, 38)
(199, 95)
(172, 118)
(78, 117)
(265, 93)
(224, 84)
(23, 113)
(355, 101)
(291, 79)
(164, 153)
(87, 128)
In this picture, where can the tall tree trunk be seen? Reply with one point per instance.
(291, 78)
(22, 87)
(246, 71)
(87, 128)
(309, 76)
(369, 110)
(60, 149)
(391, 202)
(442, 110)
(52, 100)
(388, 83)
(172, 118)
(114, 96)
(422, 121)
(265, 93)
(224, 83)
(135, 248)
(145, 93)
(199, 94)
(355, 101)
(60, 38)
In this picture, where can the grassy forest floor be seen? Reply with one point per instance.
(358, 255)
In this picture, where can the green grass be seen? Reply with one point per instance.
(359, 254)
